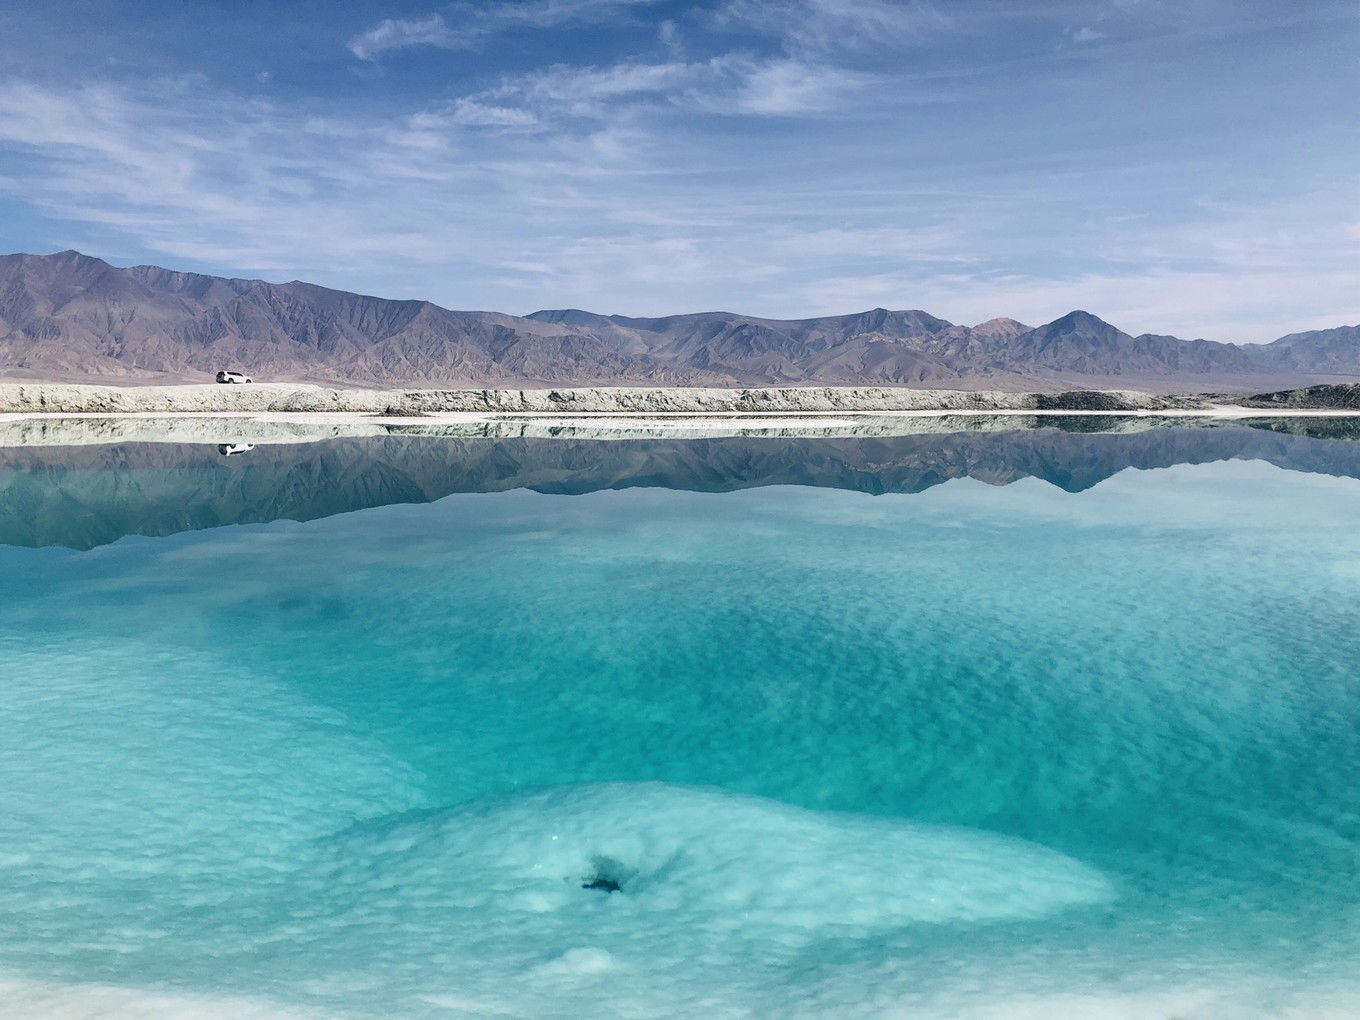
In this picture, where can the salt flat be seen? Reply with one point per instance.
(291, 397)
(64, 428)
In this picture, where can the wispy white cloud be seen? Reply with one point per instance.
(226, 178)
(731, 84)
(838, 25)
(466, 26)
(668, 33)
(471, 113)
(793, 87)
(403, 33)
(585, 90)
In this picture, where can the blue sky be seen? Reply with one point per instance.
(1182, 167)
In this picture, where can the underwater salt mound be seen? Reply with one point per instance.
(635, 857)
(120, 757)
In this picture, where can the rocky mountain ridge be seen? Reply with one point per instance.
(71, 317)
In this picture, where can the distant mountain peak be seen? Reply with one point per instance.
(1079, 319)
(1000, 328)
(70, 255)
(569, 316)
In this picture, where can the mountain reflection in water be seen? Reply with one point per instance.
(86, 496)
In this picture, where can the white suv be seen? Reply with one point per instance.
(233, 377)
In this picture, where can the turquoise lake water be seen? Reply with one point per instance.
(978, 749)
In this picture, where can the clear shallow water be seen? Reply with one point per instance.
(972, 749)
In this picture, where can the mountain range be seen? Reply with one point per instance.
(70, 317)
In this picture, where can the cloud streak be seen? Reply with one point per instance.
(824, 26)
(472, 26)
(403, 33)
(731, 84)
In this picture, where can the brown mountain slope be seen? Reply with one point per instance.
(70, 317)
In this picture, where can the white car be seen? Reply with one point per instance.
(232, 449)
(233, 377)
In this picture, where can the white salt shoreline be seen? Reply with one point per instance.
(59, 428)
(51, 414)
(42, 397)
(753, 406)
(661, 418)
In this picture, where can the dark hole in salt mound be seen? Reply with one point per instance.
(607, 875)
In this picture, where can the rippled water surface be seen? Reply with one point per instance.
(733, 728)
